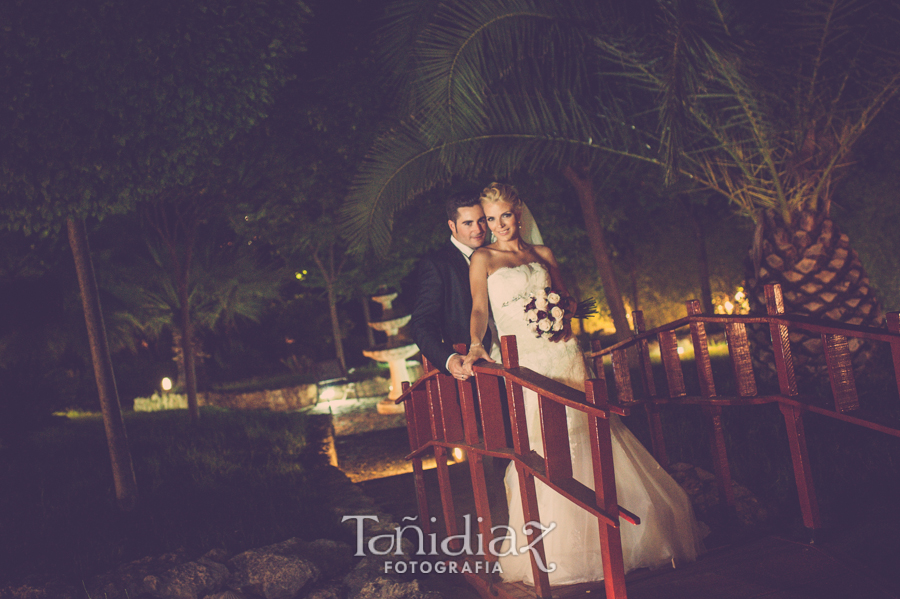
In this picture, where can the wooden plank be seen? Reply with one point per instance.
(482, 505)
(557, 391)
(806, 491)
(668, 351)
(893, 325)
(781, 345)
(644, 354)
(527, 491)
(491, 411)
(434, 403)
(605, 493)
(414, 413)
(840, 372)
(622, 376)
(713, 416)
(470, 420)
(701, 351)
(446, 489)
(739, 351)
(451, 417)
(515, 397)
(555, 434)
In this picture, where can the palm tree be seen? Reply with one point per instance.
(761, 104)
(190, 289)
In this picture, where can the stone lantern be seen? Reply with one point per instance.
(394, 351)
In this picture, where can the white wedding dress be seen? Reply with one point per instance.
(668, 529)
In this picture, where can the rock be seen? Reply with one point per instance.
(385, 588)
(330, 591)
(226, 595)
(127, 581)
(217, 555)
(51, 590)
(272, 572)
(331, 557)
(191, 580)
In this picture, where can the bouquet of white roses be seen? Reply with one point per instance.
(546, 312)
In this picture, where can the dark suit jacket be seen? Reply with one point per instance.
(443, 305)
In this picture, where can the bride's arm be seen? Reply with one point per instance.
(479, 320)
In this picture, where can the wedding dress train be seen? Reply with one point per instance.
(668, 529)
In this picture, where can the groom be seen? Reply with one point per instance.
(443, 305)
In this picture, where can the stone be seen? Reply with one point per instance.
(272, 572)
(385, 588)
(127, 581)
(191, 580)
(331, 591)
(226, 595)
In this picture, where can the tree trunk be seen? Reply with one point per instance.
(116, 438)
(820, 275)
(584, 187)
(702, 257)
(187, 348)
(336, 327)
(367, 313)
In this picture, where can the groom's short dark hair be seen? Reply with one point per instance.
(461, 199)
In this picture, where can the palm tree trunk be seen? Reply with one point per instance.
(116, 438)
(702, 257)
(187, 348)
(584, 188)
(336, 327)
(820, 275)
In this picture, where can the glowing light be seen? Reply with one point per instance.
(680, 350)
(739, 296)
(458, 454)
(166, 384)
(729, 307)
(301, 275)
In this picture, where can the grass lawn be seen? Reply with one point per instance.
(238, 480)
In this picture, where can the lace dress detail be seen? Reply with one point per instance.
(668, 529)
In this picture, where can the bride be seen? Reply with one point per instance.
(503, 277)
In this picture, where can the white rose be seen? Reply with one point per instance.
(553, 298)
(545, 324)
(557, 312)
(541, 303)
(557, 326)
(542, 294)
(533, 327)
(531, 316)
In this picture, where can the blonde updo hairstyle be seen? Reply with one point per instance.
(502, 192)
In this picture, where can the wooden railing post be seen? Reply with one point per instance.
(440, 457)
(417, 429)
(713, 414)
(793, 415)
(522, 447)
(475, 458)
(893, 324)
(651, 409)
(605, 491)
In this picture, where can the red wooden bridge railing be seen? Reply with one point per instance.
(835, 337)
(441, 416)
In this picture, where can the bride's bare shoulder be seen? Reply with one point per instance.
(543, 251)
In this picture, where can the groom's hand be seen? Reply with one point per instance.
(455, 366)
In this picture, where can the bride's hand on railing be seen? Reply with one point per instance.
(476, 352)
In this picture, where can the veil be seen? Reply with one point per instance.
(528, 228)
